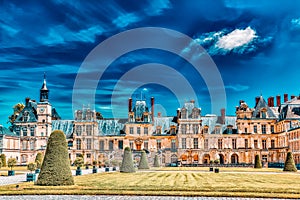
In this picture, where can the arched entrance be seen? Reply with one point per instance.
(221, 159)
(234, 159)
(174, 158)
(206, 159)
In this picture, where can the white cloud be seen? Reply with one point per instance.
(236, 38)
(237, 87)
(295, 23)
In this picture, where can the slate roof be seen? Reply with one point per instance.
(164, 122)
(110, 127)
(30, 108)
(55, 114)
(6, 131)
(211, 122)
(63, 125)
(139, 108)
(290, 110)
(259, 106)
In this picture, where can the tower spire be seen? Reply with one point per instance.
(44, 92)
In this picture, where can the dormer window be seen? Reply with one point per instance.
(263, 113)
(229, 129)
(26, 117)
(195, 113)
(183, 113)
(205, 130)
(131, 119)
(217, 130)
(158, 130)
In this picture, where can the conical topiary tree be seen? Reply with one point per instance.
(257, 162)
(156, 161)
(56, 167)
(143, 161)
(127, 163)
(3, 159)
(39, 160)
(289, 165)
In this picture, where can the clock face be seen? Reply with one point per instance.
(42, 110)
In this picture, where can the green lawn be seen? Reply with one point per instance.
(183, 183)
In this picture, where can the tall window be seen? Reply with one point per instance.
(88, 143)
(120, 144)
(17, 130)
(272, 144)
(158, 144)
(246, 144)
(263, 114)
(272, 129)
(264, 144)
(78, 130)
(158, 130)
(31, 145)
(131, 144)
(195, 129)
(88, 130)
(206, 144)
(131, 130)
(205, 131)
(101, 145)
(255, 144)
(183, 129)
(78, 144)
(138, 130)
(220, 144)
(234, 143)
(31, 131)
(24, 131)
(146, 130)
(24, 145)
(246, 130)
(173, 144)
(217, 130)
(183, 141)
(263, 129)
(195, 143)
(146, 144)
(111, 145)
(255, 129)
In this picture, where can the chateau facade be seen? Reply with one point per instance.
(188, 138)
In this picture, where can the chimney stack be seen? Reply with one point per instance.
(278, 99)
(223, 115)
(159, 114)
(292, 97)
(27, 101)
(272, 101)
(178, 113)
(152, 108)
(286, 98)
(269, 101)
(129, 104)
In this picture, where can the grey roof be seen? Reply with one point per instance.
(64, 125)
(260, 105)
(6, 131)
(110, 127)
(139, 108)
(164, 122)
(290, 110)
(211, 122)
(29, 109)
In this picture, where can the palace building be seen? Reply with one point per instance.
(188, 138)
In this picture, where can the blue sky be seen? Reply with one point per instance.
(254, 44)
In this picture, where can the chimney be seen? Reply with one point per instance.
(256, 100)
(292, 97)
(286, 98)
(192, 101)
(272, 102)
(278, 100)
(223, 115)
(152, 108)
(159, 114)
(178, 113)
(241, 101)
(27, 101)
(129, 104)
(269, 101)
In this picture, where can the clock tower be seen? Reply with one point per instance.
(44, 112)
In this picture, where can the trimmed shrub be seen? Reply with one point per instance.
(289, 165)
(3, 159)
(143, 161)
(55, 169)
(257, 162)
(0, 163)
(11, 163)
(79, 162)
(127, 163)
(156, 161)
(31, 166)
(39, 160)
(217, 161)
